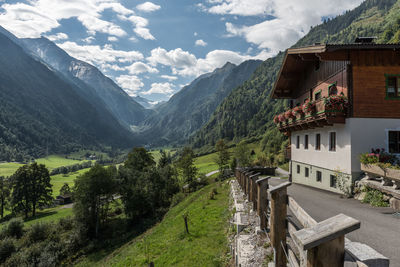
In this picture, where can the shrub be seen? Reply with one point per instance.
(177, 198)
(66, 223)
(375, 198)
(38, 232)
(15, 228)
(7, 247)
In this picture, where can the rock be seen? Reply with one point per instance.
(395, 203)
(360, 196)
(385, 197)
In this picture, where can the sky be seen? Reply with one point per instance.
(153, 49)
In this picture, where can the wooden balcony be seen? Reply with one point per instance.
(322, 116)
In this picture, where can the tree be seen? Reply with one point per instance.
(31, 188)
(65, 189)
(139, 159)
(242, 153)
(4, 194)
(186, 165)
(93, 192)
(223, 156)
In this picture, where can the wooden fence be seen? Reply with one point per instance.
(296, 238)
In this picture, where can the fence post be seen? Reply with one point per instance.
(262, 201)
(253, 189)
(324, 242)
(278, 222)
(247, 184)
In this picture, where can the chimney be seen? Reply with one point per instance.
(365, 40)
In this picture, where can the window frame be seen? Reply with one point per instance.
(318, 179)
(397, 86)
(398, 141)
(318, 142)
(332, 181)
(331, 147)
(316, 93)
(306, 142)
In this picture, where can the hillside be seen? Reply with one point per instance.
(167, 244)
(248, 111)
(92, 82)
(191, 107)
(42, 113)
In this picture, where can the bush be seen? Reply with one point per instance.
(15, 228)
(66, 223)
(7, 247)
(177, 198)
(38, 232)
(375, 198)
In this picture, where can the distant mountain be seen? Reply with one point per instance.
(146, 103)
(192, 106)
(121, 105)
(247, 113)
(41, 112)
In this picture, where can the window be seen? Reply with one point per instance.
(333, 181)
(394, 141)
(317, 95)
(307, 172)
(298, 168)
(318, 141)
(298, 142)
(393, 86)
(332, 141)
(319, 176)
(332, 89)
(306, 141)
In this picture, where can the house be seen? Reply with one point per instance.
(344, 100)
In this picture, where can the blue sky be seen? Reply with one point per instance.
(153, 49)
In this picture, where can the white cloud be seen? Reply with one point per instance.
(89, 39)
(34, 18)
(140, 67)
(148, 7)
(186, 64)
(112, 39)
(200, 42)
(290, 19)
(169, 77)
(57, 36)
(130, 83)
(195, 33)
(140, 26)
(160, 88)
(95, 54)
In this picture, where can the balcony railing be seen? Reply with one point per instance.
(313, 114)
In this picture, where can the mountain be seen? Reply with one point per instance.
(40, 112)
(117, 101)
(191, 107)
(146, 103)
(248, 111)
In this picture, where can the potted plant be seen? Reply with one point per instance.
(336, 103)
(297, 111)
(309, 107)
(289, 114)
(276, 119)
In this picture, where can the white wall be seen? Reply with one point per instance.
(367, 133)
(356, 136)
(332, 160)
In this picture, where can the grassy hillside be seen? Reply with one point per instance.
(167, 244)
(248, 111)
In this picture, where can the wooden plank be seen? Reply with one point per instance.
(301, 215)
(279, 187)
(293, 259)
(325, 231)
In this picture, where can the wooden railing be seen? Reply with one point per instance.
(297, 239)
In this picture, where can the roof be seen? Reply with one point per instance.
(296, 59)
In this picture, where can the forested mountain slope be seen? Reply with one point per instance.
(248, 110)
(191, 107)
(42, 113)
(116, 100)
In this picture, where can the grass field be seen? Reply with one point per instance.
(206, 163)
(51, 162)
(157, 155)
(58, 180)
(167, 244)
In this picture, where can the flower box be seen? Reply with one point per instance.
(393, 174)
(372, 169)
